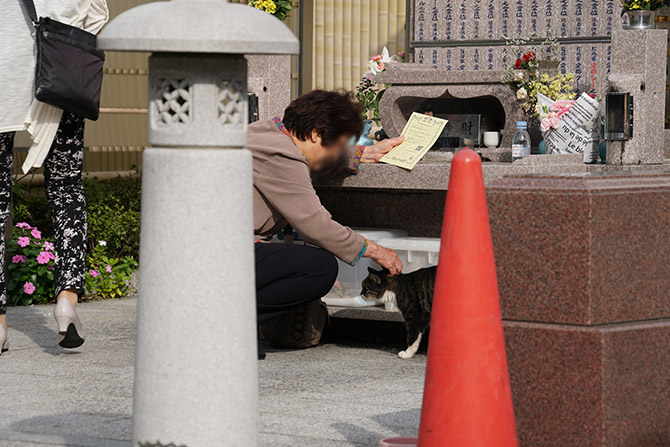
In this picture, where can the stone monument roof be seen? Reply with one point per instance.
(198, 26)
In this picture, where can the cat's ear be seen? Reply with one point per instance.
(385, 272)
(373, 271)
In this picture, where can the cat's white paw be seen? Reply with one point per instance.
(409, 352)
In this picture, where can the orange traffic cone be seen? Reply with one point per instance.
(467, 400)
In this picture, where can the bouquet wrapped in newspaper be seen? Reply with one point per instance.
(569, 127)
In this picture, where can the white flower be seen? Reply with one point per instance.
(103, 243)
(385, 55)
(373, 69)
(519, 75)
(376, 66)
(521, 94)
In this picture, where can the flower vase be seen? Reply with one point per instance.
(640, 19)
(365, 139)
(535, 134)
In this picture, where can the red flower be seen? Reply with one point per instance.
(530, 56)
(592, 96)
(518, 64)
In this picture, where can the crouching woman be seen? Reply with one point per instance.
(313, 136)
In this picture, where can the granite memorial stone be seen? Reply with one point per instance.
(584, 286)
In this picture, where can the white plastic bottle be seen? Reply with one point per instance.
(521, 141)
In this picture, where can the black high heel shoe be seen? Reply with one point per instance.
(70, 331)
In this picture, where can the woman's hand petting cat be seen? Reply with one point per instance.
(385, 257)
(374, 153)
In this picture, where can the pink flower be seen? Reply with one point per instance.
(36, 233)
(377, 58)
(43, 257)
(561, 107)
(108, 269)
(23, 241)
(552, 121)
(29, 288)
(382, 66)
(94, 273)
(22, 225)
(19, 259)
(48, 245)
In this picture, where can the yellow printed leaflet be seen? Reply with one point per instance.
(421, 133)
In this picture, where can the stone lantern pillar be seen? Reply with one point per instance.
(196, 366)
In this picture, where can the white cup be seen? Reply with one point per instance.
(491, 139)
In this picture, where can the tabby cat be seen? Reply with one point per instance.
(412, 293)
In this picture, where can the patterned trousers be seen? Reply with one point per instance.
(65, 191)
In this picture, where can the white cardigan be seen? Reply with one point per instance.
(19, 110)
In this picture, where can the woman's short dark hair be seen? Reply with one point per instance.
(330, 114)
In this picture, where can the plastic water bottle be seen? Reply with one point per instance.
(521, 141)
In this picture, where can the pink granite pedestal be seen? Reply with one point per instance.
(584, 272)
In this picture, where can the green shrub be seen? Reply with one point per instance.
(31, 205)
(108, 277)
(113, 208)
(114, 215)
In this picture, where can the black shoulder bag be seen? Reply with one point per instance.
(68, 74)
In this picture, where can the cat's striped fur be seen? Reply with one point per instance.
(412, 293)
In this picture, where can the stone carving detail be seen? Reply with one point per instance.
(173, 101)
(231, 103)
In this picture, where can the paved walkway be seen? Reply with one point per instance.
(332, 395)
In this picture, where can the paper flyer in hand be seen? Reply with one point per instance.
(421, 132)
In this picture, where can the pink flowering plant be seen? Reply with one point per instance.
(30, 275)
(108, 277)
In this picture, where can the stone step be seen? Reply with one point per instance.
(365, 313)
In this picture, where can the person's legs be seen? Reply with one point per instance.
(65, 191)
(290, 275)
(6, 148)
